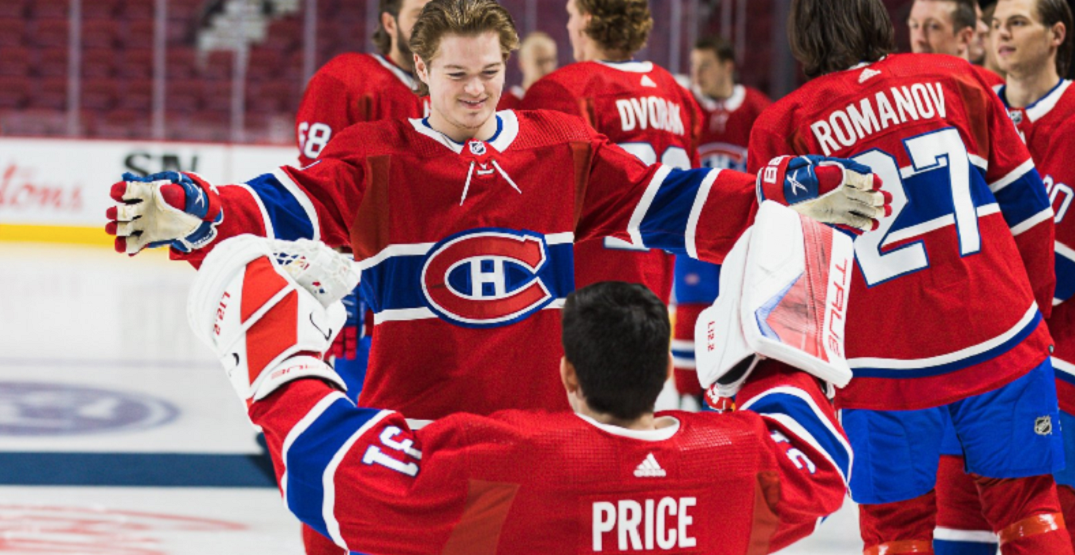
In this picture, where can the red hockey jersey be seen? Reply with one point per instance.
(942, 304)
(1048, 126)
(525, 483)
(640, 107)
(510, 98)
(348, 89)
(725, 132)
(466, 249)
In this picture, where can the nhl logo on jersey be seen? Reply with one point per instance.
(477, 148)
(1043, 426)
(1016, 115)
(486, 277)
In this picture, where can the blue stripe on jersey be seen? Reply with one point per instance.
(311, 453)
(806, 416)
(396, 282)
(1065, 277)
(1064, 376)
(924, 203)
(682, 354)
(954, 366)
(289, 219)
(696, 282)
(1023, 198)
(665, 222)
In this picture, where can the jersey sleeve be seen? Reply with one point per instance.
(317, 202)
(324, 112)
(1020, 193)
(808, 448)
(699, 213)
(362, 477)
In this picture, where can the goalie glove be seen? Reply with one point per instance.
(829, 190)
(783, 294)
(174, 209)
(269, 309)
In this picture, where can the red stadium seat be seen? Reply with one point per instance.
(47, 9)
(13, 8)
(216, 96)
(180, 64)
(98, 63)
(264, 64)
(100, 9)
(123, 124)
(137, 95)
(48, 33)
(98, 95)
(184, 97)
(52, 62)
(12, 31)
(50, 94)
(284, 35)
(14, 92)
(138, 34)
(137, 10)
(135, 64)
(14, 61)
(217, 65)
(100, 33)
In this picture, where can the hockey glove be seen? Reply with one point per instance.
(269, 309)
(174, 209)
(829, 190)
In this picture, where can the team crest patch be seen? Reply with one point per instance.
(486, 277)
(1016, 115)
(1043, 426)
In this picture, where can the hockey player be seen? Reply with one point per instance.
(610, 477)
(1034, 47)
(537, 58)
(952, 27)
(463, 222)
(637, 105)
(362, 87)
(728, 113)
(944, 280)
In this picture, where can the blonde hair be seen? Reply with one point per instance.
(466, 18)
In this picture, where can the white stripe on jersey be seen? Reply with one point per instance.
(919, 363)
(1063, 366)
(696, 212)
(1012, 177)
(1032, 221)
(328, 479)
(300, 427)
(935, 224)
(1065, 251)
(973, 536)
(269, 232)
(644, 204)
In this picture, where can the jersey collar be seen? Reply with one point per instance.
(403, 76)
(730, 104)
(1042, 106)
(507, 128)
(660, 434)
(632, 66)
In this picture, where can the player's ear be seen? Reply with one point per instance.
(568, 376)
(421, 70)
(389, 23)
(1059, 33)
(671, 368)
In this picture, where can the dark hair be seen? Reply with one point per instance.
(828, 36)
(718, 46)
(381, 39)
(617, 337)
(1051, 12)
(621, 27)
(465, 18)
(964, 15)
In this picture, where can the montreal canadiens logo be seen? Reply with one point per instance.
(486, 277)
(723, 156)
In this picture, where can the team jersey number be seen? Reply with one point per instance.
(940, 165)
(313, 138)
(376, 455)
(673, 156)
(1060, 196)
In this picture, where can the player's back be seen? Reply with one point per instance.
(640, 107)
(352, 88)
(941, 293)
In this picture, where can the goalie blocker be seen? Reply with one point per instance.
(784, 289)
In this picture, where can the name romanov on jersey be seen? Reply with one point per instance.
(651, 112)
(871, 115)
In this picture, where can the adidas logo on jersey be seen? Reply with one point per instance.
(647, 82)
(649, 468)
(867, 74)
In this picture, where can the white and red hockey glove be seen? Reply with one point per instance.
(830, 190)
(783, 294)
(174, 209)
(269, 310)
